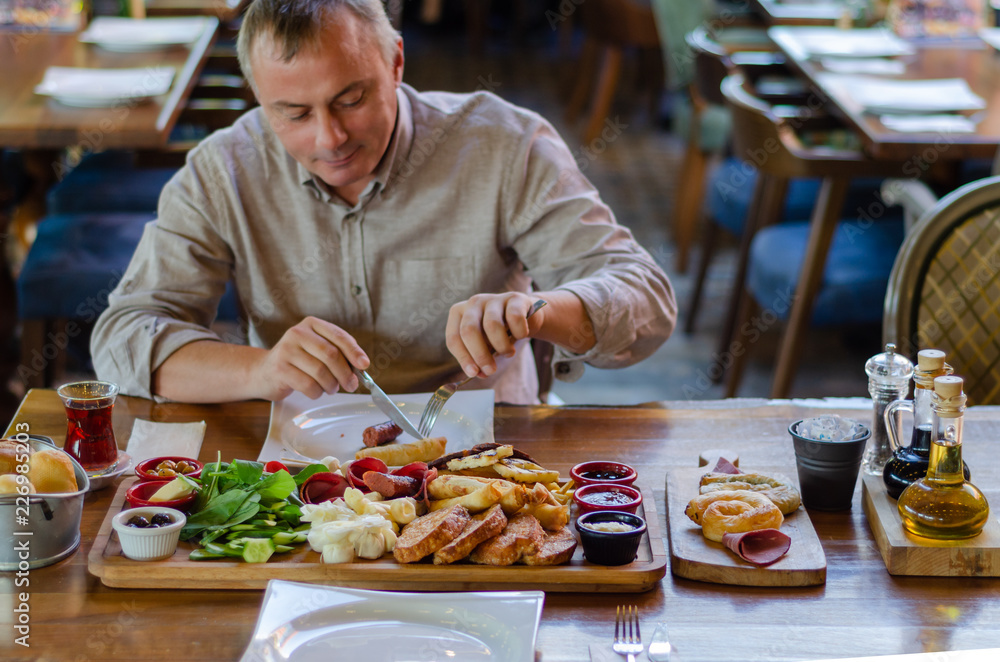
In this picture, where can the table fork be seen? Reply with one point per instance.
(445, 391)
(630, 641)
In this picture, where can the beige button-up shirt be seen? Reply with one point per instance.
(473, 195)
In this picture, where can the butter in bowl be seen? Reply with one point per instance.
(610, 537)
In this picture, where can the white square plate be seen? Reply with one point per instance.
(308, 623)
(131, 35)
(332, 424)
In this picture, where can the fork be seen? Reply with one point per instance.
(628, 617)
(445, 391)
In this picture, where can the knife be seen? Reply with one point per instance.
(387, 406)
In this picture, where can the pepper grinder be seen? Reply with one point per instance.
(889, 376)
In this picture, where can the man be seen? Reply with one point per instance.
(367, 225)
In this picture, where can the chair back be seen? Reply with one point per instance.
(944, 292)
(620, 22)
(674, 20)
(758, 134)
(711, 66)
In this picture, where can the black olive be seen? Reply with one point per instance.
(138, 521)
(161, 519)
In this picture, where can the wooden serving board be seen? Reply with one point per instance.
(693, 556)
(114, 569)
(905, 554)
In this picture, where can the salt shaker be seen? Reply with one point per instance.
(889, 376)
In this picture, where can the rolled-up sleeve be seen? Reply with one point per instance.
(568, 239)
(170, 292)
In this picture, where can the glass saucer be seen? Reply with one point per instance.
(101, 480)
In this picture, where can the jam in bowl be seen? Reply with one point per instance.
(601, 471)
(604, 496)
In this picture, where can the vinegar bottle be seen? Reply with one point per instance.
(943, 505)
(909, 463)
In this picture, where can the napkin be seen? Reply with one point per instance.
(928, 123)
(603, 653)
(868, 42)
(151, 439)
(875, 65)
(893, 96)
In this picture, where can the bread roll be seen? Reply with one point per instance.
(8, 485)
(51, 472)
(9, 452)
(752, 512)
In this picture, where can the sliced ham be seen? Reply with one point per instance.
(356, 471)
(762, 547)
(724, 466)
(323, 486)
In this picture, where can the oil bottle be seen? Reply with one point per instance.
(909, 463)
(943, 505)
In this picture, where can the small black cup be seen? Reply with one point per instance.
(828, 470)
(610, 547)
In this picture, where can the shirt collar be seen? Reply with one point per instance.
(388, 168)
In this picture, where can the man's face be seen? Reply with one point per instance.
(333, 105)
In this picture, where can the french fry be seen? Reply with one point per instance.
(474, 502)
(551, 517)
(397, 455)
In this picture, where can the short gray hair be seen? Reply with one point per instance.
(294, 23)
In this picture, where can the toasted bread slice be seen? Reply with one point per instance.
(523, 534)
(481, 527)
(555, 549)
(425, 535)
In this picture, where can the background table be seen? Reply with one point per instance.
(861, 609)
(977, 63)
(34, 121)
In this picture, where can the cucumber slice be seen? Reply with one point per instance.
(257, 550)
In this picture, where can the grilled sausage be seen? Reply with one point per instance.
(380, 434)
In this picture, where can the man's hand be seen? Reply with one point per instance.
(488, 324)
(313, 357)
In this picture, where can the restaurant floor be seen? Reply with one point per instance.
(636, 172)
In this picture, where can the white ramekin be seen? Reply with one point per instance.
(149, 544)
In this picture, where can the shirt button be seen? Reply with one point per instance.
(356, 290)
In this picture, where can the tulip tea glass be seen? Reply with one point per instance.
(90, 438)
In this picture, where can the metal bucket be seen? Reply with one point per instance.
(48, 530)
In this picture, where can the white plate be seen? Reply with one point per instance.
(98, 102)
(332, 424)
(307, 623)
(129, 35)
(98, 88)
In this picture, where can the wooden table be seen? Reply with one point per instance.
(799, 12)
(861, 610)
(224, 10)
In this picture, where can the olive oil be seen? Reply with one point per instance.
(943, 505)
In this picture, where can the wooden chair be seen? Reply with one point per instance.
(944, 291)
(611, 27)
(712, 63)
(774, 145)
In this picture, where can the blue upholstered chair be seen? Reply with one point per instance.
(108, 182)
(842, 265)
